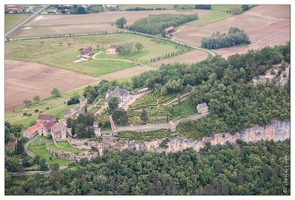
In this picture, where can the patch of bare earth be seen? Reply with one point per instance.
(266, 25)
(24, 80)
(79, 24)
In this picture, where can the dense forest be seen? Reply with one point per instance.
(225, 85)
(240, 169)
(155, 24)
(234, 37)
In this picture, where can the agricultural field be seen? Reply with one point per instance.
(43, 25)
(12, 19)
(63, 52)
(24, 80)
(264, 24)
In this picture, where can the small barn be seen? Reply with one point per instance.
(170, 29)
(202, 108)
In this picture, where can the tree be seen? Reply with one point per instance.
(7, 135)
(113, 103)
(138, 46)
(144, 116)
(12, 164)
(55, 92)
(69, 44)
(27, 102)
(81, 10)
(43, 165)
(36, 98)
(121, 22)
(120, 116)
(69, 122)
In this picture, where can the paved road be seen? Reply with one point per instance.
(26, 20)
(27, 149)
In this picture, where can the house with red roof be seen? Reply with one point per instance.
(169, 29)
(43, 127)
(112, 49)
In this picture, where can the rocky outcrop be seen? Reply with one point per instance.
(276, 131)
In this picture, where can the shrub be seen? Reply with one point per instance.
(49, 137)
(25, 114)
(37, 110)
(29, 114)
(47, 108)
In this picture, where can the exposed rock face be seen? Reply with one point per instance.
(275, 131)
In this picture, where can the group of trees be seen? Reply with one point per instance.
(234, 37)
(155, 24)
(241, 169)
(121, 22)
(75, 9)
(203, 6)
(82, 127)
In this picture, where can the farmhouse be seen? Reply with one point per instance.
(52, 10)
(87, 51)
(59, 131)
(202, 108)
(14, 9)
(121, 94)
(169, 29)
(112, 49)
(43, 127)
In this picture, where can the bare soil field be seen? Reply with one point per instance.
(24, 80)
(189, 58)
(65, 24)
(264, 24)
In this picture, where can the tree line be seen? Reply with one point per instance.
(155, 24)
(240, 169)
(234, 37)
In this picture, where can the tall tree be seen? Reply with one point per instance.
(120, 116)
(36, 98)
(55, 92)
(138, 46)
(121, 22)
(113, 103)
(144, 116)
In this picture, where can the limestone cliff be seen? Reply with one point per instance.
(276, 131)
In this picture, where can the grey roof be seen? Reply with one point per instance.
(80, 111)
(202, 105)
(46, 117)
(117, 93)
(58, 126)
(83, 98)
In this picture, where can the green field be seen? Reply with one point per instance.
(57, 52)
(211, 17)
(94, 110)
(66, 147)
(56, 107)
(12, 19)
(144, 136)
(154, 6)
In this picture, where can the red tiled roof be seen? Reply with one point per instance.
(113, 46)
(46, 117)
(171, 28)
(34, 128)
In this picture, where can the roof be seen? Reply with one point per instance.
(202, 105)
(87, 50)
(95, 123)
(117, 92)
(49, 125)
(58, 126)
(113, 46)
(34, 128)
(46, 117)
(170, 28)
(80, 111)
(83, 98)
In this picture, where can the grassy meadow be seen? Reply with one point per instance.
(62, 52)
(12, 19)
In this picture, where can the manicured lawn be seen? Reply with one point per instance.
(57, 52)
(183, 109)
(102, 102)
(94, 110)
(12, 19)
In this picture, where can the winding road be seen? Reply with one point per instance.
(26, 20)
